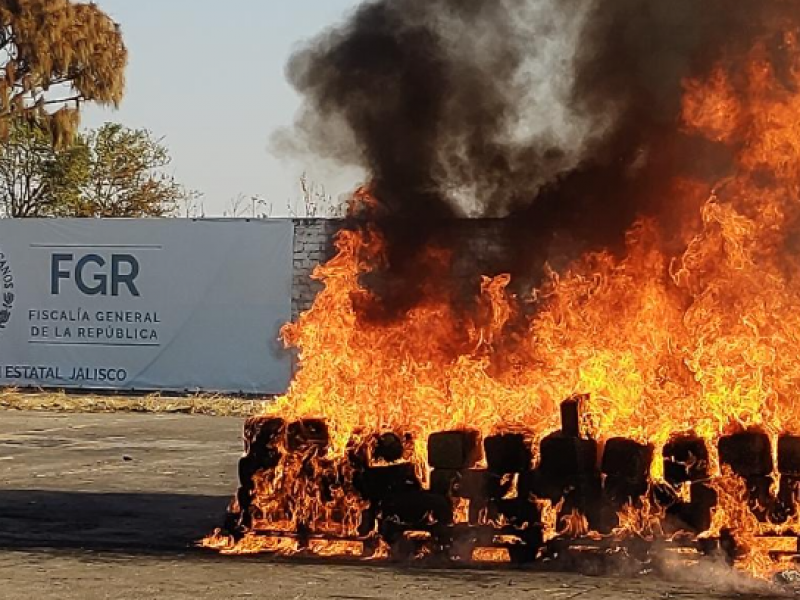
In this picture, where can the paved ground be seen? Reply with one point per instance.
(107, 505)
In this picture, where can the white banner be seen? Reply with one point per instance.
(145, 304)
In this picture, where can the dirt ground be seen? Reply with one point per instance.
(107, 506)
(80, 402)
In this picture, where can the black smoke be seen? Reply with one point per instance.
(562, 115)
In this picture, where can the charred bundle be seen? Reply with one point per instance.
(489, 496)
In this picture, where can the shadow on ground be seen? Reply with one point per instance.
(85, 540)
(129, 522)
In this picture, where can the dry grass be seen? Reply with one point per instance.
(92, 403)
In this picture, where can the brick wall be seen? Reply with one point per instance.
(313, 244)
(478, 244)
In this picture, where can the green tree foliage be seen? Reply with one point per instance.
(112, 171)
(36, 180)
(55, 55)
(127, 175)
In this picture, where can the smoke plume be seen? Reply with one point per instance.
(562, 114)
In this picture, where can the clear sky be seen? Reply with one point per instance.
(208, 76)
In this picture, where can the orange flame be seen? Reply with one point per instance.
(705, 338)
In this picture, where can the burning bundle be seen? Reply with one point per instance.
(649, 263)
(487, 499)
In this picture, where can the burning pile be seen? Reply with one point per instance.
(424, 423)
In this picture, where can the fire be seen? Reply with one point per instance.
(694, 329)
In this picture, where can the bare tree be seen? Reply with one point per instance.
(254, 207)
(315, 202)
(191, 206)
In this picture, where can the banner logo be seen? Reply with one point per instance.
(8, 295)
(94, 275)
